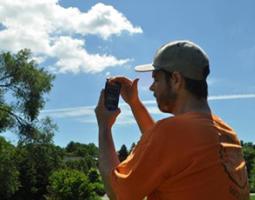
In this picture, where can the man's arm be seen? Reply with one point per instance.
(142, 116)
(108, 159)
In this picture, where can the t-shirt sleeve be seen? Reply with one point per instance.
(152, 161)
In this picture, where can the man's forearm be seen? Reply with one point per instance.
(108, 159)
(142, 116)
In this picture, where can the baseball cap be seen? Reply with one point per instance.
(183, 56)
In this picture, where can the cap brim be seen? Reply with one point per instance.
(144, 68)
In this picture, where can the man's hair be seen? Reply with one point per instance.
(197, 88)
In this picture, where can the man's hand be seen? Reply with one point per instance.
(129, 91)
(105, 118)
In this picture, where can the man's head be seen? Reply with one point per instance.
(178, 67)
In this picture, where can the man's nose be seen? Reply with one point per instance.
(152, 87)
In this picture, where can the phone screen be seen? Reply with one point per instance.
(112, 93)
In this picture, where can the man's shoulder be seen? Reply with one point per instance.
(174, 120)
(170, 123)
(185, 121)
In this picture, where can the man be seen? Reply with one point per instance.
(192, 155)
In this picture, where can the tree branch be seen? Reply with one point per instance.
(6, 85)
(18, 118)
(5, 77)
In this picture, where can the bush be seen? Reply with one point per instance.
(69, 184)
(35, 163)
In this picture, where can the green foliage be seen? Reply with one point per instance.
(252, 179)
(25, 173)
(78, 149)
(8, 170)
(94, 176)
(25, 169)
(252, 198)
(81, 157)
(70, 185)
(35, 163)
(98, 188)
(249, 156)
(79, 164)
(6, 120)
(95, 180)
(25, 85)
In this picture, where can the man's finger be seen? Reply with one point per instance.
(121, 79)
(117, 112)
(101, 98)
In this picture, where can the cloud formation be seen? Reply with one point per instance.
(51, 31)
(86, 114)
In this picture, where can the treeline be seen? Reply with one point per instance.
(44, 171)
(249, 156)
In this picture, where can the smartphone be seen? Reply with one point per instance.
(111, 95)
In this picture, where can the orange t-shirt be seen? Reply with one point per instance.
(193, 156)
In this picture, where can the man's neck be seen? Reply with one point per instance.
(191, 104)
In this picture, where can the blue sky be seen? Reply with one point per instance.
(83, 41)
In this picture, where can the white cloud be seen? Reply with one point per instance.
(69, 112)
(229, 97)
(73, 58)
(86, 114)
(49, 30)
(105, 21)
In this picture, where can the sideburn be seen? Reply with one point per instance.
(168, 98)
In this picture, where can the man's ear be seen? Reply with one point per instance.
(177, 80)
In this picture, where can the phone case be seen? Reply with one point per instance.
(112, 93)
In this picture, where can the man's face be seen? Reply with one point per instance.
(163, 92)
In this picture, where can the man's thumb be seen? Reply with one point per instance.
(135, 83)
(117, 112)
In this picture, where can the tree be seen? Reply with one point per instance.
(96, 181)
(25, 84)
(252, 180)
(9, 175)
(36, 162)
(93, 175)
(249, 156)
(70, 185)
(123, 153)
(71, 147)
(78, 149)
(132, 147)
(81, 157)
(79, 164)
